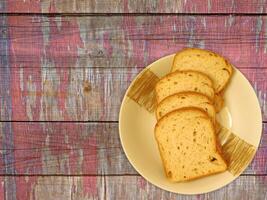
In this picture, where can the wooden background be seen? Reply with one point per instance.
(64, 68)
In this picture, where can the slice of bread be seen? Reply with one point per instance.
(187, 145)
(185, 99)
(207, 62)
(185, 81)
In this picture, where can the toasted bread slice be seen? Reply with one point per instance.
(207, 62)
(185, 99)
(185, 81)
(187, 145)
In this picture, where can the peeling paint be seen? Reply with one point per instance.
(258, 32)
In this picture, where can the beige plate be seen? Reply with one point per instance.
(241, 114)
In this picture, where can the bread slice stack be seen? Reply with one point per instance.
(186, 99)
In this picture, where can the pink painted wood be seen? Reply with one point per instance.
(139, 6)
(82, 94)
(122, 187)
(77, 68)
(105, 54)
(132, 41)
(66, 149)
(79, 149)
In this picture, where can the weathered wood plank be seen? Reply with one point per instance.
(69, 94)
(5, 112)
(139, 6)
(81, 94)
(131, 187)
(131, 41)
(78, 149)
(64, 148)
(5, 72)
(2, 189)
(124, 187)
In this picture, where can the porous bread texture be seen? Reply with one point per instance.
(185, 99)
(187, 145)
(204, 61)
(185, 81)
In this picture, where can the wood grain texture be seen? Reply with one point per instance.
(74, 68)
(131, 41)
(77, 149)
(81, 94)
(139, 6)
(122, 187)
(63, 148)
(40, 48)
(69, 94)
(6, 137)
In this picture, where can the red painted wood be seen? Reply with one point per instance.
(66, 45)
(128, 187)
(78, 68)
(39, 43)
(66, 148)
(2, 188)
(35, 44)
(139, 6)
(133, 41)
(89, 94)
(24, 187)
(260, 160)
(28, 6)
(80, 149)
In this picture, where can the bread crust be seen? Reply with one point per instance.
(184, 93)
(214, 137)
(183, 109)
(197, 177)
(229, 69)
(218, 102)
(183, 72)
(221, 92)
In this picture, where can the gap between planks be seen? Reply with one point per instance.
(129, 14)
(95, 175)
(254, 68)
(84, 122)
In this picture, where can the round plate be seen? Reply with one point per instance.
(241, 114)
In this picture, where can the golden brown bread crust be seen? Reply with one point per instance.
(216, 54)
(162, 158)
(217, 126)
(185, 93)
(200, 176)
(229, 80)
(218, 102)
(218, 149)
(185, 71)
(185, 109)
